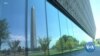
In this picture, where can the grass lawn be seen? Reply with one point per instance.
(53, 52)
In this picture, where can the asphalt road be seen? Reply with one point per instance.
(83, 53)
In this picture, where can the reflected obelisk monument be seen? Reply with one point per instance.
(33, 30)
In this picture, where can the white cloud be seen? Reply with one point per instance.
(21, 38)
(17, 37)
(5, 3)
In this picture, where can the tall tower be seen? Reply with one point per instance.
(33, 30)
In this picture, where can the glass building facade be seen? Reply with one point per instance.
(50, 32)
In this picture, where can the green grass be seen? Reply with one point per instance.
(53, 52)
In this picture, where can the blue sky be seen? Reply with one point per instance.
(13, 11)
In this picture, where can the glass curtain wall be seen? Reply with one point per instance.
(37, 30)
(12, 27)
(55, 34)
(49, 32)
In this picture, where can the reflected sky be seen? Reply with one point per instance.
(14, 12)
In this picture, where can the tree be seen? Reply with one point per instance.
(73, 42)
(44, 43)
(19, 49)
(60, 44)
(70, 44)
(97, 41)
(4, 33)
(14, 46)
(66, 42)
(83, 43)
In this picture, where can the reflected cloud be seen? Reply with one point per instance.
(17, 37)
(5, 3)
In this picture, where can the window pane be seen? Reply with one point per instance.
(53, 28)
(12, 26)
(36, 27)
(49, 31)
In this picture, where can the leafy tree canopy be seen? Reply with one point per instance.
(66, 42)
(4, 33)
